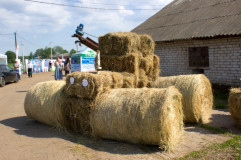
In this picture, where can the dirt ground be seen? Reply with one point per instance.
(24, 138)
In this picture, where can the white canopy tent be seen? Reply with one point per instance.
(3, 59)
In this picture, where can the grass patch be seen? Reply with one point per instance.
(215, 129)
(220, 99)
(230, 149)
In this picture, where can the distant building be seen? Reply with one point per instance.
(198, 36)
(62, 55)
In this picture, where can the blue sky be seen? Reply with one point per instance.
(39, 24)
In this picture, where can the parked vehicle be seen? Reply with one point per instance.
(7, 74)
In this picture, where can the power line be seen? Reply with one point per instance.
(90, 35)
(109, 4)
(6, 34)
(66, 5)
(27, 40)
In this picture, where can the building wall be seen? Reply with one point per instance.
(224, 59)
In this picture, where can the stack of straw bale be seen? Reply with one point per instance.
(197, 95)
(146, 116)
(130, 52)
(235, 105)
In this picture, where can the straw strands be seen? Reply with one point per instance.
(44, 101)
(146, 116)
(98, 83)
(76, 112)
(197, 95)
(119, 43)
(235, 105)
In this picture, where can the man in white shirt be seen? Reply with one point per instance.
(30, 69)
(17, 67)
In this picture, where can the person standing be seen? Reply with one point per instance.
(50, 65)
(58, 70)
(17, 67)
(67, 66)
(30, 69)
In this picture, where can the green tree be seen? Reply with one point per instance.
(58, 50)
(72, 51)
(11, 56)
(39, 52)
(31, 55)
(65, 51)
(47, 52)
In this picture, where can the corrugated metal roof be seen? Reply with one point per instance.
(187, 19)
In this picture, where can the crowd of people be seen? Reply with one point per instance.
(58, 64)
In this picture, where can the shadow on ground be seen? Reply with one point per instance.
(31, 128)
(223, 120)
(22, 91)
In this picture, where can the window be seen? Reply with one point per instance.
(198, 57)
(9, 68)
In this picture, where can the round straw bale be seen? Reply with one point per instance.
(146, 116)
(44, 101)
(235, 105)
(147, 45)
(76, 112)
(197, 95)
(119, 43)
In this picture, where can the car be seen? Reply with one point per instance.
(7, 74)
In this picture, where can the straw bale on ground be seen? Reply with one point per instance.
(98, 83)
(146, 116)
(44, 101)
(76, 112)
(119, 43)
(235, 105)
(197, 95)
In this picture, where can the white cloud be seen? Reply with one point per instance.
(32, 16)
(43, 23)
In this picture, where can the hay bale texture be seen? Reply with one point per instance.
(44, 101)
(47, 102)
(235, 105)
(146, 116)
(76, 113)
(147, 45)
(114, 63)
(197, 95)
(98, 83)
(119, 43)
(132, 53)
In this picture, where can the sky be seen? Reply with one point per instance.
(39, 24)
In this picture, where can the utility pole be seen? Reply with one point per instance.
(77, 47)
(15, 33)
(51, 49)
(16, 44)
(22, 54)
